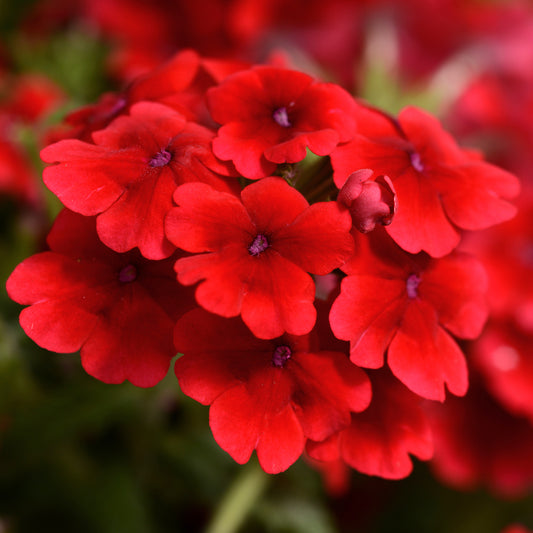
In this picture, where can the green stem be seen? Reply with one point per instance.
(312, 172)
(323, 191)
(239, 500)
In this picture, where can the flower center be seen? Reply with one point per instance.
(412, 285)
(127, 274)
(416, 161)
(160, 159)
(280, 356)
(259, 245)
(281, 117)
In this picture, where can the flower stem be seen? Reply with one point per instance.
(239, 500)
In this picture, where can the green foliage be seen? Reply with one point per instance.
(73, 59)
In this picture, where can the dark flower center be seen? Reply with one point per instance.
(259, 245)
(281, 117)
(416, 161)
(160, 159)
(412, 285)
(127, 274)
(280, 356)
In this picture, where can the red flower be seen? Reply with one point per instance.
(271, 115)
(30, 97)
(477, 443)
(407, 305)
(119, 309)
(516, 528)
(17, 177)
(503, 355)
(267, 395)
(259, 252)
(440, 187)
(130, 174)
(379, 440)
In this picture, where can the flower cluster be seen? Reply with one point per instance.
(296, 247)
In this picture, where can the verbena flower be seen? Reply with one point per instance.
(271, 115)
(440, 187)
(258, 252)
(265, 395)
(407, 305)
(118, 309)
(127, 177)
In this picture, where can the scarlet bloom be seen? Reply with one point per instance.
(380, 439)
(129, 175)
(267, 395)
(259, 252)
(503, 356)
(408, 305)
(271, 115)
(17, 177)
(480, 444)
(30, 97)
(516, 528)
(440, 187)
(119, 309)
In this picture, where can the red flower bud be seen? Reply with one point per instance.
(370, 201)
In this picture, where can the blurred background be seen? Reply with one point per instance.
(79, 455)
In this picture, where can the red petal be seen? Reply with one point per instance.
(479, 200)
(137, 218)
(223, 289)
(319, 142)
(278, 298)
(218, 354)
(82, 181)
(207, 220)
(272, 204)
(319, 240)
(380, 439)
(149, 124)
(242, 420)
(456, 287)
(420, 222)
(330, 387)
(367, 313)
(238, 143)
(133, 342)
(424, 357)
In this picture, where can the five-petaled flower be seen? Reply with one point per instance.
(119, 309)
(411, 305)
(271, 115)
(440, 187)
(128, 176)
(267, 395)
(258, 252)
